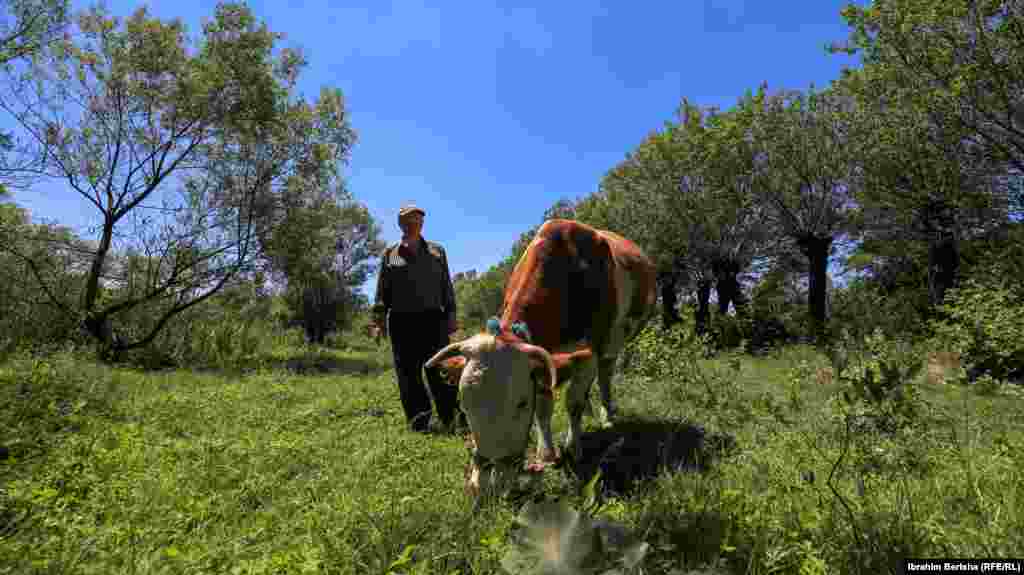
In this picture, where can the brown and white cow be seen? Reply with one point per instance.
(583, 293)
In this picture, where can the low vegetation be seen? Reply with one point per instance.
(300, 464)
(190, 388)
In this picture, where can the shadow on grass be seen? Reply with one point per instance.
(312, 364)
(635, 449)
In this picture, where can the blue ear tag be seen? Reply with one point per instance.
(519, 328)
(493, 326)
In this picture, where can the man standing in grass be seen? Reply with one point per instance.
(415, 307)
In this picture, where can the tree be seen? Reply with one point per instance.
(27, 29)
(685, 194)
(963, 63)
(480, 297)
(29, 316)
(127, 114)
(605, 209)
(324, 251)
(803, 173)
(638, 203)
(921, 182)
(719, 195)
(940, 111)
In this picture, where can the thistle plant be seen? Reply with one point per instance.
(555, 539)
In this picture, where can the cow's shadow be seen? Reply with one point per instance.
(636, 449)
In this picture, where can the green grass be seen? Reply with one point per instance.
(303, 466)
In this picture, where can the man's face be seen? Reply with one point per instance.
(411, 224)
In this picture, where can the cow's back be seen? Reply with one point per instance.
(575, 282)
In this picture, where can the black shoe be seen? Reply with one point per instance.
(461, 423)
(420, 423)
(455, 425)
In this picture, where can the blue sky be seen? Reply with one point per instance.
(487, 114)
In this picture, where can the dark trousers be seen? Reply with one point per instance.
(415, 338)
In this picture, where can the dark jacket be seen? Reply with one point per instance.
(414, 282)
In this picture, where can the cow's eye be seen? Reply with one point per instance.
(522, 404)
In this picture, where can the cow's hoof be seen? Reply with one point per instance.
(537, 466)
(544, 459)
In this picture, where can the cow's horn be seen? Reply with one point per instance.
(541, 354)
(450, 350)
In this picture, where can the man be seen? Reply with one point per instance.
(414, 285)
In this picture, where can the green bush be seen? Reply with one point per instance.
(44, 397)
(877, 376)
(29, 319)
(985, 323)
(729, 331)
(678, 359)
(778, 314)
(862, 307)
(212, 335)
(659, 353)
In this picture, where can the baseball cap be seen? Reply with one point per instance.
(410, 208)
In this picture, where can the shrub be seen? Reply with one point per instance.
(659, 353)
(985, 323)
(877, 376)
(729, 331)
(43, 397)
(673, 358)
(209, 336)
(863, 307)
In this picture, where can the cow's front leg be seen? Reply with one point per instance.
(605, 371)
(576, 402)
(542, 416)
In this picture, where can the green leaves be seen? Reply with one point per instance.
(961, 58)
(985, 321)
(135, 110)
(30, 27)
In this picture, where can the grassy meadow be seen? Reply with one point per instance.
(735, 464)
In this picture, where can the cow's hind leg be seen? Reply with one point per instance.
(605, 371)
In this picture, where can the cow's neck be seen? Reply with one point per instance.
(542, 333)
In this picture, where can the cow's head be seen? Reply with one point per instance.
(498, 395)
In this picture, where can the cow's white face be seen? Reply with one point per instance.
(498, 396)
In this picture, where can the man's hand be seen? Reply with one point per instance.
(453, 325)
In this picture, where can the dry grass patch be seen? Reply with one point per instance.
(943, 366)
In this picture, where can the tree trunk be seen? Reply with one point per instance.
(669, 314)
(703, 302)
(727, 286)
(943, 264)
(816, 249)
(312, 313)
(98, 325)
